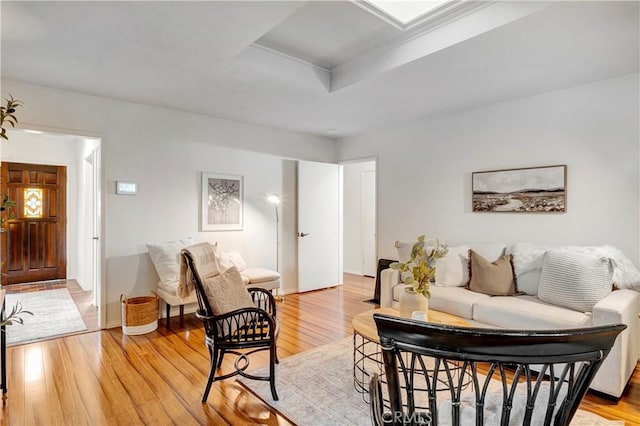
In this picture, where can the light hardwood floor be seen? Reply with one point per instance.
(105, 377)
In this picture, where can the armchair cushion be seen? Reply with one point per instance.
(226, 292)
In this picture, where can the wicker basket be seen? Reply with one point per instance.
(139, 314)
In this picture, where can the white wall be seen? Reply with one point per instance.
(55, 150)
(424, 169)
(353, 215)
(165, 152)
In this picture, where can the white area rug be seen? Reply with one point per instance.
(316, 388)
(54, 313)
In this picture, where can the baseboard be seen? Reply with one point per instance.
(348, 271)
(284, 291)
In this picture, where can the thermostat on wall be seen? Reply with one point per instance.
(126, 188)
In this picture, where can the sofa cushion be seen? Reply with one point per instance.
(453, 269)
(259, 275)
(574, 280)
(455, 300)
(527, 265)
(166, 258)
(527, 312)
(494, 278)
(170, 288)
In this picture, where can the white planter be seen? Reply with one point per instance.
(411, 302)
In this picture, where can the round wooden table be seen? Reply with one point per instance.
(367, 357)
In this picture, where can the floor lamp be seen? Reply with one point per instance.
(275, 199)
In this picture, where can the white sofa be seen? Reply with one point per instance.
(165, 258)
(526, 311)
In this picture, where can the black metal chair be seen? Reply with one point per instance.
(542, 375)
(241, 332)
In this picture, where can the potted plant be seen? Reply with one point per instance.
(6, 204)
(418, 273)
(7, 113)
(14, 315)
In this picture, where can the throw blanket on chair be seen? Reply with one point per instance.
(205, 259)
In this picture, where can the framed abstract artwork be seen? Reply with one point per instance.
(222, 202)
(529, 190)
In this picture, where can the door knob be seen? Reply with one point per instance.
(302, 234)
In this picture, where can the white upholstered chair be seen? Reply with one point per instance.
(165, 257)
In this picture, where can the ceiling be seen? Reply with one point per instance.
(328, 68)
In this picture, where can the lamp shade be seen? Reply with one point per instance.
(274, 199)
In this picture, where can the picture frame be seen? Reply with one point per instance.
(222, 202)
(524, 190)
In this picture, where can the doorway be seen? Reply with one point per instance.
(34, 242)
(319, 225)
(359, 220)
(80, 155)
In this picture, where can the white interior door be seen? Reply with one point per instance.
(95, 246)
(319, 225)
(368, 224)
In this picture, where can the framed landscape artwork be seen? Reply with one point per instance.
(222, 202)
(531, 190)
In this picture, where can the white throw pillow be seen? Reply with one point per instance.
(574, 280)
(625, 274)
(404, 248)
(453, 269)
(527, 261)
(232, 258)
(490, 251)
(166, 258)
(237, 261)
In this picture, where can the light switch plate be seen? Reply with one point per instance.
(126, 188)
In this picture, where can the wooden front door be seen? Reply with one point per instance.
(34, 244)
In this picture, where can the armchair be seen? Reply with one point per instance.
(240, 331)
(424, 361)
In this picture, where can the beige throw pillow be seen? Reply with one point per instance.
(493, 278)
(226, 292)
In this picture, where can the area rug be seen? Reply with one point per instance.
(54, 313)
(316, 388)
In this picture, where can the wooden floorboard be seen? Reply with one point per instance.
(105, 377)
